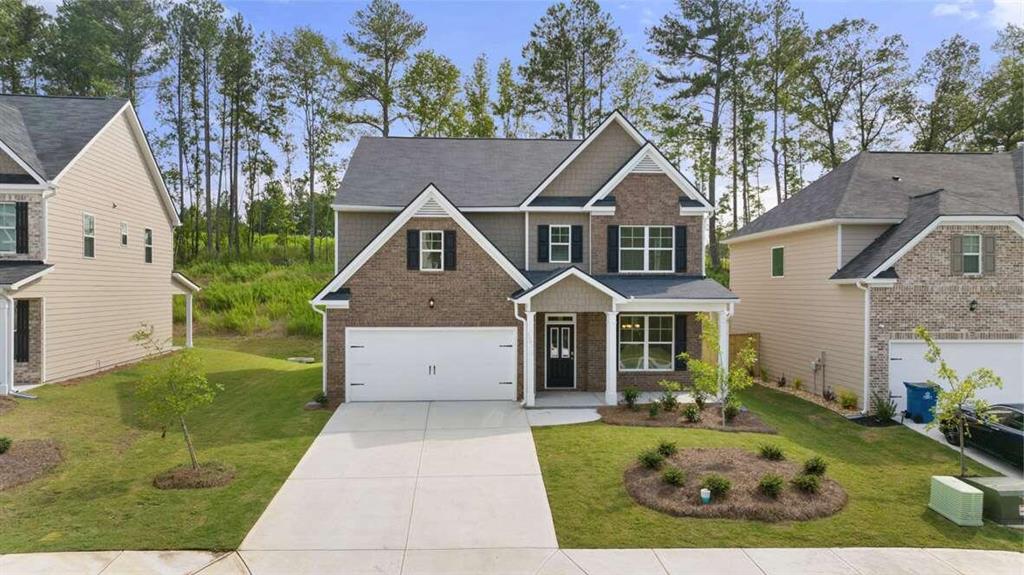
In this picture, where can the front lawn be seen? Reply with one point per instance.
(885, 472)
(102, 497)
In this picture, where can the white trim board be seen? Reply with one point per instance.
(809, 226)
(648, 151)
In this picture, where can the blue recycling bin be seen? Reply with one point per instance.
(921, 398)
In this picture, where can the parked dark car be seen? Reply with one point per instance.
(1001, 434)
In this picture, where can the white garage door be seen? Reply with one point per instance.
(1006, 358)
(418, 364)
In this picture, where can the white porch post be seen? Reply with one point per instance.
(7, 337)
(529, 365)
(188, 320)
(723, 340)
(611, 367)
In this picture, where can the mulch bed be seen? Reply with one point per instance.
(7, 404)
(813, 398)
(211, 474)
(870, 421)
(744, 469)
(711, 418)
(28, 460)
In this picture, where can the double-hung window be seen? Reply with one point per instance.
(646, 248)
(88, 235)
(559, 244)
(972, 254)
(645, 342)
(147, 236)
(431, 251)
(124, 234)
(8, 228)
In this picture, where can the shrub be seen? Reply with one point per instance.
(883, 406)
(815, 466)
(667, 448)
(653, 410)
(732, 408)
(718, 486)
(781, 382)
(798, 384)
(320, 398)
(651, 459)
(847, 399)
(700, 398)
(807, 483)
(669, 402)
(772, 452)
(771, 485)
(828, 394)
(5, 444)
(691, 412)
(673, 476)
(631, 394)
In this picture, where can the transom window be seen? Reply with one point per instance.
(431, 251)
(147, 236)
(646, 248)
(88, 235)
(778, 262)
(8, 228)
(972, 254)
(558, 244)
(645, 343)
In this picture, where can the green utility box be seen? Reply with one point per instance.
(1004, 498)
(956, 501)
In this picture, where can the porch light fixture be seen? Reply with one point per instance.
(973, 306)
(431, 303)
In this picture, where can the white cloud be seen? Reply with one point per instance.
(960, 9)
(1005, 12)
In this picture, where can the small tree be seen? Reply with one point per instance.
(950, 406)
(712, 379)
(175, 388)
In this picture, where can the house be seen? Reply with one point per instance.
(472, 269)
(836, 278)
(86, 239)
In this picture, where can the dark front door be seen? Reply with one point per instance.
(561, 356)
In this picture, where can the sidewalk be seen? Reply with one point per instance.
(842, 561)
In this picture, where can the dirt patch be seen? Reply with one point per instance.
(212, 474)
(813, 398)
(7, 404)
(28, 460)
(744, 469)
(711, 418)
(870, 421)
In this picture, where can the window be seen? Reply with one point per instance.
(972, 254)
(778, 262)
(558, 245)
(431, 251)
(88, 236)
(8, 228)
(124, 234)
(645, 343)
(147, 235)
(646, 248)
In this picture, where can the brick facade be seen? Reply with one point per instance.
(929, 294)
(31, 371)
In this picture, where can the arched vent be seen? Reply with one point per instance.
(431, 209)
(647, 165)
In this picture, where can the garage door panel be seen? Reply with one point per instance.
(1005, 358)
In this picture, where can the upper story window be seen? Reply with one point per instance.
(88, 235)
(148, 237)
(560, 244)
(431, 251)
(8, 228)
(971, 254)
(124, 234)
(646, 248)
(778, 261)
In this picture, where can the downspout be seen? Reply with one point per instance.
(867, 341)
(522, 320)
(323, 347)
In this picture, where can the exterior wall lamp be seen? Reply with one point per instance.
(973, 306)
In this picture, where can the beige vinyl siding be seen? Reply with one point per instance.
(504, 230)
(571, 295)
(559, 219)
(598, 162)
(856, 237)
(801, 314)
(93, 306)
(356, 229)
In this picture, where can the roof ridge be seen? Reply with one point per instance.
(60, 97)
(936, 153)
(470, 138)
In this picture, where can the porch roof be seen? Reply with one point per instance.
(15, 273)
(640, 287)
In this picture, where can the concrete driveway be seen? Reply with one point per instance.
(382, 478)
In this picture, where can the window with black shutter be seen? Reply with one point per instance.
(681, 259)
(577, 244)
(543, 237)
(21, 227)
(412, 250)
(613, 249)
(21, 330)
(680, 341)
(449, 249)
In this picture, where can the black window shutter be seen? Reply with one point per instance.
(543, 237)
(613, 249)
(21, 227)
(21, 339)
(956, 255)
(680, 341)
(576, 236)
(988, 254)
(681, 249)
(412, 249)
(449, 249)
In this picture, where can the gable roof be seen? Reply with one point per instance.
(649, 160)
(879, 185)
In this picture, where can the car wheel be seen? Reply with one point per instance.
(951, 437)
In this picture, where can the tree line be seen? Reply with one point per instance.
(250, 124)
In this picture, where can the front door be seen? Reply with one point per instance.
(561, 356)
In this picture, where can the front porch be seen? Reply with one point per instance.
(591, 399)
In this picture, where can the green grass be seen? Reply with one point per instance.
(101, 496)
(885, 471)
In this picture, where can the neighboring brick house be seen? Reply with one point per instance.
(503, 268)
(840, 275)
(86, 239)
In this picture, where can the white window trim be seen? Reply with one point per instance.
(647, 249)
(424, 250)
(147, 244)
(771, 261)
(14, 228)
(964, 254)
(86, 235)
(647, 342)
(123, 240)
(567, 244)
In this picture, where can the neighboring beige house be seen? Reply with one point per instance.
(86, 239)
(837, 277)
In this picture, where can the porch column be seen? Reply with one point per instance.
(723, 340)
(530, 359)
(611, 364)
(188, 319)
